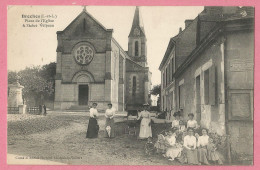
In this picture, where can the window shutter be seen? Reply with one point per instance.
(212, 85)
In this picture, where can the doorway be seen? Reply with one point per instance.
(83, 94)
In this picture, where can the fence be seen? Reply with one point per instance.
(33, 110)
(13, 110)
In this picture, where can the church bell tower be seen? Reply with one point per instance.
(137, 40)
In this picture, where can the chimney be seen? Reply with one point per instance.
(188, 22)
(180, 30)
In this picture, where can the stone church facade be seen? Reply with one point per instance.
(93, 67)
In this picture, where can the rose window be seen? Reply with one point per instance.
(84, 54)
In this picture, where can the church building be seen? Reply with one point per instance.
(93, 67)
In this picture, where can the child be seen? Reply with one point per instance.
(149, 146)
(212, 153)
(160, 144)
(174, 149)
(191, 123)
(182, 126)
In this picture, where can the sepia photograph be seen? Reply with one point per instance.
(130, 85)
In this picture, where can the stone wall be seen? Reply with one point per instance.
(212, 116)
(240, 82)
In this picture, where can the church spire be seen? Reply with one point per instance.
(137, 23)
(137, 40)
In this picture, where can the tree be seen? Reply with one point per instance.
(38, 82)
(11, 77)
(48, 72)
(156, 90)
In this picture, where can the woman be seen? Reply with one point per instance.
(110, 124)
(190, 150)
(176, 121)
(202, 147)
(145, 126)
(93, 127)
(191, 123)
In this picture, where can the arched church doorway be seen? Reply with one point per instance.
(83, 94)
(83, 79)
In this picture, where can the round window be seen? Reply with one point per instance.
(84, 54)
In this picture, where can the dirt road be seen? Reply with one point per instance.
(60, 137)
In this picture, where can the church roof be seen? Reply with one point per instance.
(137, 22)
(84, 12)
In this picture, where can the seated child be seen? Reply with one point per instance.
(212, 153)
(160, 144)
(182, 126)
(149, 146)
(174, 149)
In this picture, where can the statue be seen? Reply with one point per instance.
(15, 96)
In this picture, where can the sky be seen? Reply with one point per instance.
(31, 46)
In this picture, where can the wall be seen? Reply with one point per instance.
(240, 83)
(139, 72)
(212, 115)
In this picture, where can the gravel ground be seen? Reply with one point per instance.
(60, 137)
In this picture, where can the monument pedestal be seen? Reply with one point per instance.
(22, 109)
(15, 97)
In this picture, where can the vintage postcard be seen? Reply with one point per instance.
(130, 85)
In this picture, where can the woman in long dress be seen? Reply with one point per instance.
(202, 147)
(145, 126)
(110, 124)
(190, 143)
(93, 127)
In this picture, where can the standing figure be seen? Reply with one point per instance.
(145, 126)
(110, 124)
(93, 126)
(40, 109)
(190, 143)
(202, 147)
(44, 110)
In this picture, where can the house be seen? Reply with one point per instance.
(208, 70)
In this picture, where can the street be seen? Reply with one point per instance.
(60, 138)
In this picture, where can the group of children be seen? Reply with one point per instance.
(183, 142)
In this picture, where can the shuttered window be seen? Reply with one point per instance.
(210, 86)
(181, 96)
(206, 87)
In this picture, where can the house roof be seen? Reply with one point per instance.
(211, 36)
(209, 17)
(168, 50)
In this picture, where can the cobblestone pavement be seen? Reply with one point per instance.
(60, 137)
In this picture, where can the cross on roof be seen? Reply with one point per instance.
(84, 8)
